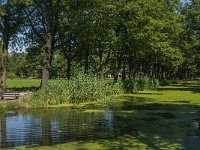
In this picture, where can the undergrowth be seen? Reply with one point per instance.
(86, 88)
(140, 84)
(82, 88)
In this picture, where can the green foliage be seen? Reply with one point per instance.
(130, 86)
(4, 106)
(87, 88)
(169, 82)
(11, 75)
(193, 17)
(146, 83)
(106, 37)
(0, 57)
(113, 88)
(82, 88)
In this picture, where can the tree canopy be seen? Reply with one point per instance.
(127, 39)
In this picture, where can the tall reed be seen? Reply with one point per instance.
(82, 88)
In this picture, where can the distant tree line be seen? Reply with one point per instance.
(122, 39)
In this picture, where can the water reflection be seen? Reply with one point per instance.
(3, 136)
(149, 124)
(53, 126)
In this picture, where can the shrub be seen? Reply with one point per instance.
(146, 83)
(156, 83)
(113, 88)
(130, 86)
(86, 88)
(6, 106)
(11, 75)
(169, 82)
(82, 88)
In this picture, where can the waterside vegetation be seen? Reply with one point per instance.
(87, 88)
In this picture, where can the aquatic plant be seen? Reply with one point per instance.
(82, 88)
(86, 88)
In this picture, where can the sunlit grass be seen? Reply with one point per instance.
(179, 94)
(126, 142)
(21, 83)
(27, 84)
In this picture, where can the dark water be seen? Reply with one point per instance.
(53, 126)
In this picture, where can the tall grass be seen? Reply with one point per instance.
(135, 85)
(4, 106)
(86, 88)
(82, 88)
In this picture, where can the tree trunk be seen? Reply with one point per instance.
(3, 131)
(51, 26)
(46, 129)
(69, 57)
(6, 38)
(130, 74)
(46, 61)
(118, 68)
(86, 61)
(103, 64)
(4, 63)
(124, 71)
(69, 68)
(101, 71)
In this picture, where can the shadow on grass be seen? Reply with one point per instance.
(22, 89)
(193, 87)
(152, 93)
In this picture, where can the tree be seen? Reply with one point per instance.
(43, 23)
(190, 68)
(11, 19)
(193, 17)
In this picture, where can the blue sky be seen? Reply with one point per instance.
(184, 0)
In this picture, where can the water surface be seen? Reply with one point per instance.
(149, 124)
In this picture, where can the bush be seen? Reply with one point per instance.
(130, 86)
(82, 88)
(146, 83)
(169, 82)
(86, 88)
(113, 88)
(11, 75)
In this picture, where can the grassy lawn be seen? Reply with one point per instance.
(172, 108)
(174, 94)
(23, 84)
